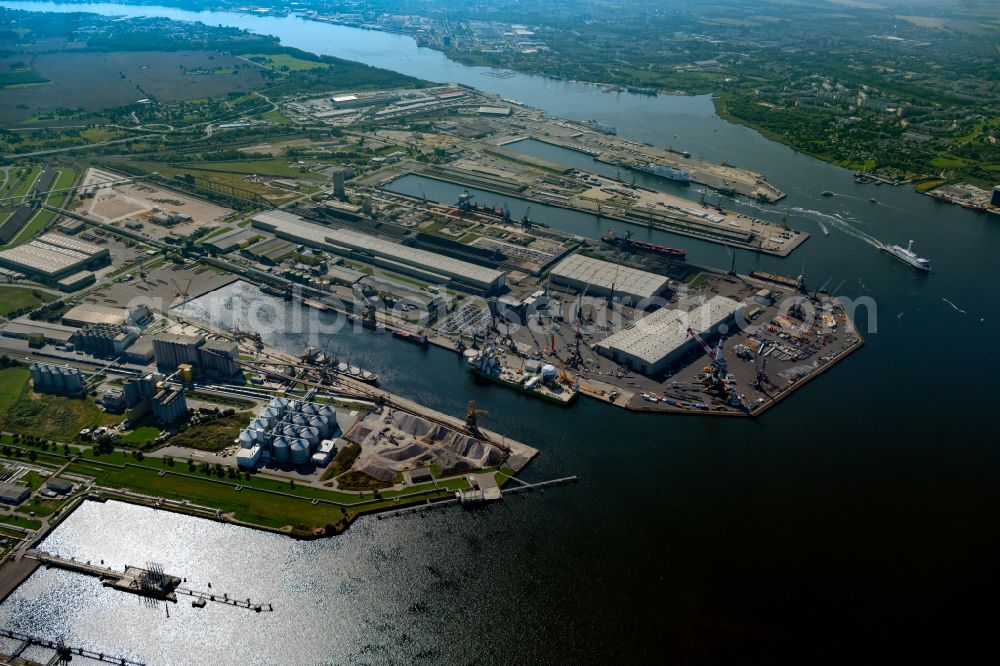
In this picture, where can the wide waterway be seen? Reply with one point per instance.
(862, 507)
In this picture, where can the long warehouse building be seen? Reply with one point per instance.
(603, 278)
(661, 338)
(52, 257)
(429, 266)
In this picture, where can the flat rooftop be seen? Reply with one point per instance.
(51, 254)
(604, 276)
(294, 227)
(660, 333)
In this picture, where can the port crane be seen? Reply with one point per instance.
(472, 414)
(183, 293)
(720, 368)
(719, 377)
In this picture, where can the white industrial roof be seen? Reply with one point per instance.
(604, 275)
(43, 258)
(658, 334)
(51, 254)
(69, 243)
(316, 234)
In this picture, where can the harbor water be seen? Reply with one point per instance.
(863, 507)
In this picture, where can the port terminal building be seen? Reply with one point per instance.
(428, 266)
(661, 338)
(606, 279)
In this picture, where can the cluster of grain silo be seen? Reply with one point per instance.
(59, 379)
(289, 432)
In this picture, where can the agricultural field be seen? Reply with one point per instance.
(92, 82)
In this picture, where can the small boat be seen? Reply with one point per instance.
(649, 398)
(826, 232)
(873, 200)
(827, 193)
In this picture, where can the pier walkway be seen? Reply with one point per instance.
(62, 650)
(143, 582)
(524, 487)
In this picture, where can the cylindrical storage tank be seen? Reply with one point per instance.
(299, 452)
(260, 423)
(326, 410)
(308, 409)
(321, 425)
(279, 403)
(292, 406)
(280, 449)
(300, 420)
(549, 372)
(309, 434)
(270, 415)
(247, 439)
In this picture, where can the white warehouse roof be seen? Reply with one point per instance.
(295, 228)
(600, 276)
(655, 339)
(51, 255)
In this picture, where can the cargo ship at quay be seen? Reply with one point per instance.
(626, 242)
(663, 171)
(545, 383)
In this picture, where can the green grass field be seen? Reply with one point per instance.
(28, 523)
(49, 416)
(213, 436)
(13, 299)
(283, 60)
(275, 167)
(12, 382)
(248, 504)
(142, 435)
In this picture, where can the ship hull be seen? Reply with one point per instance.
(922, 269)
(679, 177)
(518, 387)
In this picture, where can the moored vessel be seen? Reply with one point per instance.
(545, 384)
(664, 171)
